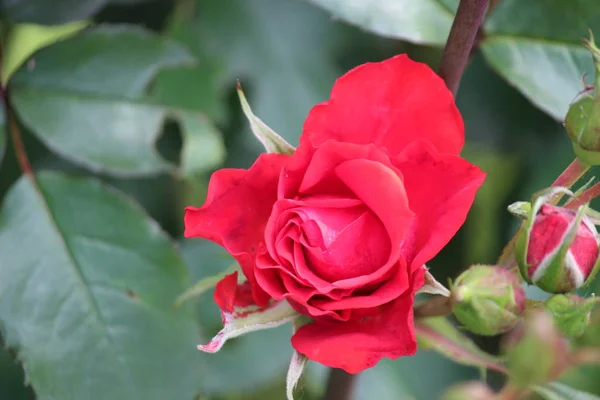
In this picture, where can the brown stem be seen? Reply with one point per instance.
(462, 36)
(339, 385)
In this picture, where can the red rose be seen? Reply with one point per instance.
(342, 228)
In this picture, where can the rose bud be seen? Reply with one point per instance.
(571, 312)
(473, 390)
(557, 250)
(535, 351)
(488, 300)
(582, 122)
(342, 228)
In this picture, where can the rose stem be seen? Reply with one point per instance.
(339, 385)
(462, 36)
(571, 174)
(13, 127)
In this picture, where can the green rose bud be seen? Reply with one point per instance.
(488, 300)
(583, 118)
(571, 312)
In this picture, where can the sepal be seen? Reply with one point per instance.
(272, 142)
(240, 315)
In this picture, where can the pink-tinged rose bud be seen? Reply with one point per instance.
(558, 250)
(488, 300)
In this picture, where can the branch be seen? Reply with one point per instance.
(462, 36)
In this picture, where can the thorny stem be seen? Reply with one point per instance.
(339, 385)
(462, 36)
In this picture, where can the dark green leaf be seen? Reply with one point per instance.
(56, 11)
(87, 284)
(85, 99)
(424, 21)
(540, 51)
(192, 87)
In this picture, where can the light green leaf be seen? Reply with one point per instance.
(54, 12)
(424, 21)
(439, 334)
(85, 99)
(87, 284)
(541, 52)
(25, 39)
(559, 391)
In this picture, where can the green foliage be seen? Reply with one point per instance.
(88, 280)
(86, 297)
(85, 99)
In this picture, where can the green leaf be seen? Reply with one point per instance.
(441, 335)
(541, 52)
(25, 39)
(87, 284)
(191, 87)
(559, 391)
(424, 21)
(85, 99)
(54, 12)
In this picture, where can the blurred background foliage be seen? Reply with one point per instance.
(140, 95)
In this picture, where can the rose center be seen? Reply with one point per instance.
(343, 243)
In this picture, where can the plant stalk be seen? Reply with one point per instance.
(340, 385)
(461, 39)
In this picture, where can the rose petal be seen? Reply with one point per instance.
(390, 104)
(358, 344)
(383, 192)
(236, 210)
(441, 189)
(229, 295)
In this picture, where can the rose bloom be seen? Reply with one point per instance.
(342, 228)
